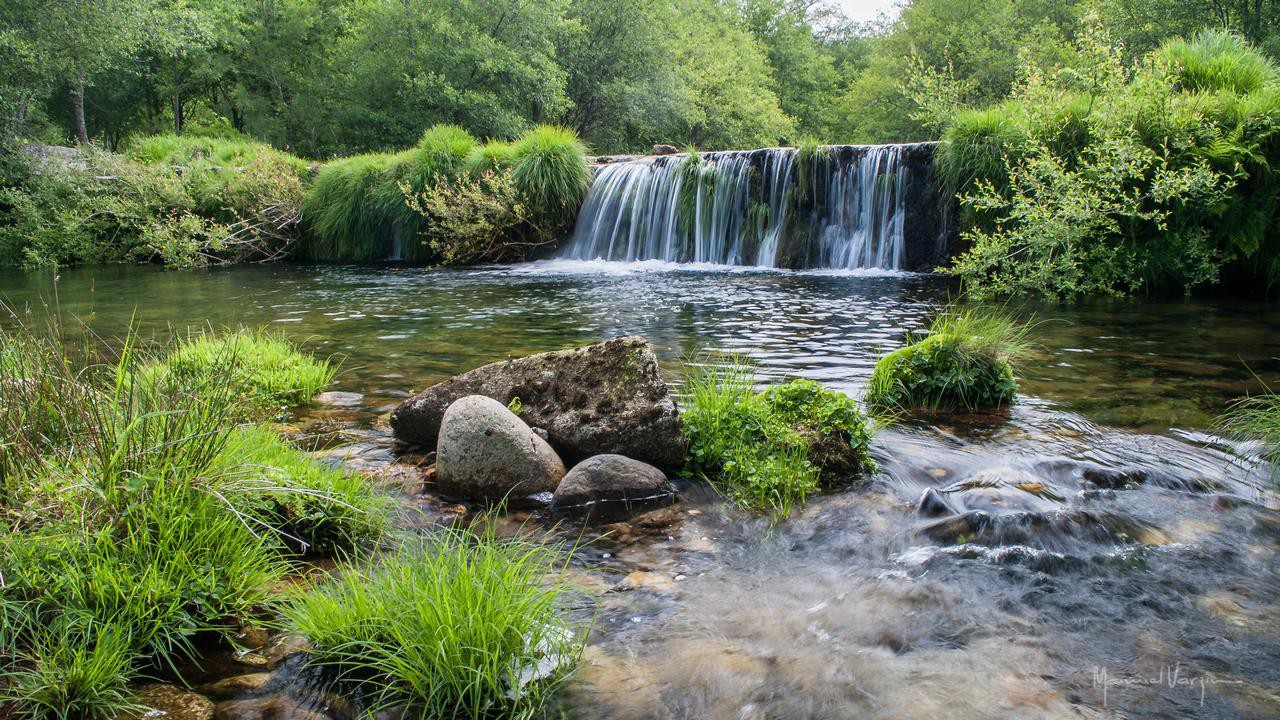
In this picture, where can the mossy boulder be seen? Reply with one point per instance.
(942, 371)
(606, 398)
(771, 450)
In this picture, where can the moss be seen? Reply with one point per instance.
(771, 450)
(942, 371)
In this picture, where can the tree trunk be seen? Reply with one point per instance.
(77, 105)
(178, 120)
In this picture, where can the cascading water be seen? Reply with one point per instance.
(836, 208)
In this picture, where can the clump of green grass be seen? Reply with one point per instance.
(1215, 60)
(965, 362)
(463, 626)
(549, 168)
(1256, 418)
(974, 148)
(139, 517)
(314, 507)
(771, 450)
(493, 156)
(340, 213)
(264, 368)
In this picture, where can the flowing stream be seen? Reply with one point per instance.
(1131, 572)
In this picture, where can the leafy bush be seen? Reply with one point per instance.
(112, 210)
(464, 626)
(263, 368)
(965, 362)
(1117, 179)
(770, 450)
(484, 219)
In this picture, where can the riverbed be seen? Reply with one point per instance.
(1139, 580)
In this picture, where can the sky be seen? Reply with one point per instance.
(863, 10)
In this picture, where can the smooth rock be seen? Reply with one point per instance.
(266, 708)
(237, 685)
(174, 702)
(602, 398)
(486, 452)
(665, 149)
(610, 478)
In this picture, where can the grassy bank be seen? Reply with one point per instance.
(1123, 178)
(142, 519)
(189, 201)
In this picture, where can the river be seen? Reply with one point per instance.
(1140, 580)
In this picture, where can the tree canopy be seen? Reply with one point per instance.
(334, 77)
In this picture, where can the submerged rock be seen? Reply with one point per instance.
(237, 685)
(487, 453)
(611, 478)
(602, 398)
(171, 701)
(270, 707)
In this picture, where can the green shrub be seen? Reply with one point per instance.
(1115, 178)
(464, 626)
(314, 507)
(264, 369)
(549, 168)
(966, 362)
(770, 450)
(111, 210)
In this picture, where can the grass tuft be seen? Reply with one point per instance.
(1256, 418)
(264, 368)
(549, 168)
(965, 362)
(463, 626)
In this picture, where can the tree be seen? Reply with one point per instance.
(76, 40)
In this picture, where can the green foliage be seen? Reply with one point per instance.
(771, 450)
(549, 168)
(1215, 61)
(463, 626)
(313, 507)
(263, 368)
(1256, 419)
(507, 213)
(494, 156)
(340, 213)
(1114, 179)
(965, 362)
(136, 517)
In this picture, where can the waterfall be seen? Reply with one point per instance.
(841, 207)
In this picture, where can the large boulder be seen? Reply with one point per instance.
(602, 398)
(487, 453)
(611, 478)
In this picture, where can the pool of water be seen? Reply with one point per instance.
(1131, 567)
